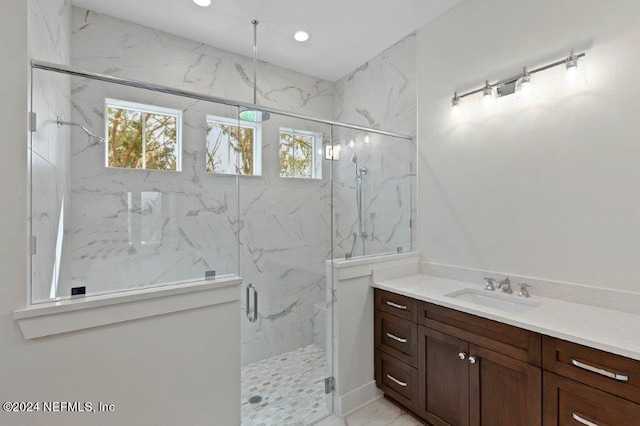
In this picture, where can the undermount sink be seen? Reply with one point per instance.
(503, 302)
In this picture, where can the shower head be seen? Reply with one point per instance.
(92, 140)
(354, 158)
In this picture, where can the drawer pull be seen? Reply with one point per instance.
(393, 379)
(396, 338)
(583, 421)
(395, 305)
(609, 374)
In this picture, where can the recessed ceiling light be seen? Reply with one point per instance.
(203, 3)
(301, 35)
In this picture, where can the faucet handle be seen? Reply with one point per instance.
(489, 285)
(523, 290)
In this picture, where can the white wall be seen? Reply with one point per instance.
(548, 190)
(353, 327)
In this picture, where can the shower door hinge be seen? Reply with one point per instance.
(329, 384)
(33, 119)
(33, 245)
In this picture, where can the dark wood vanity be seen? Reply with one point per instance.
(452, 368)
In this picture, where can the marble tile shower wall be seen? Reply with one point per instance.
(283, 224)
(379, 94)
(49, 39)
(196, 218)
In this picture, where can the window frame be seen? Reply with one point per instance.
(144, 109)
(316, 159)
(257, 143)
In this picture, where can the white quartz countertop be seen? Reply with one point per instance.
(608, 330)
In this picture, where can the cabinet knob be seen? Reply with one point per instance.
(462, 355)
(472, 360)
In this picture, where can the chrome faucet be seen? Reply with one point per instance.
(523, 290)
(489, 284)
(505, 285)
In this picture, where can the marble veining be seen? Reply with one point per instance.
(274, 232)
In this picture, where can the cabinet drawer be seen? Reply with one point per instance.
(397, 379)
(395, 304)
(396, 337)
(611, 373)
(569, 403)
(506, 339)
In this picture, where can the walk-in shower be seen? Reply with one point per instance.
(142, 225)
(361, 233)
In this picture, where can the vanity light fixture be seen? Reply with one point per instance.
(301, 35)
(523, 82)
(202, 3)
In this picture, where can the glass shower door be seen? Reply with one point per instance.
(284, 237)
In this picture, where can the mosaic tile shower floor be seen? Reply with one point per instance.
(291, 386)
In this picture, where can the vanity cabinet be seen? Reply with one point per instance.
(474, 371)
(452, 368)
(586, 386)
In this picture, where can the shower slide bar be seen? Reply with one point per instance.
(66, 69)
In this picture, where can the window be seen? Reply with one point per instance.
(298, 154)
(233, 146)
(143, 136)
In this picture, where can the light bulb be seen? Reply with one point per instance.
(352, 143)
(524, 85)
(487, 95)
(576, 77)
(203, 3)
(367, 139)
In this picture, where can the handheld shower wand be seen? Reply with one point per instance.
(360, 172)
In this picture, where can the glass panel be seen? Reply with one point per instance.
(285, 243)
(117, 229)
(373, 181)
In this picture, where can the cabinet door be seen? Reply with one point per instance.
(503, 390)
(569, 403)
(443, 378)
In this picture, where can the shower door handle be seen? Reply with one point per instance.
(254, 317)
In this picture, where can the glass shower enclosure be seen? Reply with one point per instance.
(136, 186)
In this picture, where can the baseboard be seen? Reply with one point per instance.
(358, 397)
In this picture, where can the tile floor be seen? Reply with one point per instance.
(291, 386)
(378, 413)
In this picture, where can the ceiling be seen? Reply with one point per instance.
(344, 33)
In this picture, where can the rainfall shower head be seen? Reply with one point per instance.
(92, 140)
